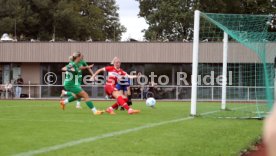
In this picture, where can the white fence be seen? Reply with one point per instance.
(205, 93)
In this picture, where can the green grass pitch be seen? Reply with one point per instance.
(29, 125)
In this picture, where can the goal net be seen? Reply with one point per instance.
(233, 65)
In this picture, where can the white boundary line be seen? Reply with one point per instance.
(107, 135)
(95, 138)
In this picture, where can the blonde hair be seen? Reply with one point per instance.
(75, 55)
(71, 58)
(113, 60)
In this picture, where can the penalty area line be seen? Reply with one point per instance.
(103, 136)
(95, 138)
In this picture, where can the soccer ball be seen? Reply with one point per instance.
(150, 102)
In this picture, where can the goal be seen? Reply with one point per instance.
(239, 82)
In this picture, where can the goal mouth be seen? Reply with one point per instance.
(242, 73)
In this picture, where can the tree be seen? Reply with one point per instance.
(15, 14)
(173, 19)
(112, 27)
(167, 19)
(74, 19)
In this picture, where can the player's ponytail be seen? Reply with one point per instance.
(71, 58)
(76, 55)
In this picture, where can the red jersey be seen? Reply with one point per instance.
(114, 74)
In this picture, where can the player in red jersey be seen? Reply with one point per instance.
(114, 74)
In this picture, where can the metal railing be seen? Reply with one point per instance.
(171, 92)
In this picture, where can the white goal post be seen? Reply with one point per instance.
(195, 65)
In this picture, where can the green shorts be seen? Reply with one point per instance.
(74, 89)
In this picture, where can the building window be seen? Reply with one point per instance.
(16, 70)
(6, 74)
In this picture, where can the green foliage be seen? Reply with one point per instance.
(173, 19)
(74, 19)
(167, 19)
(112, 27)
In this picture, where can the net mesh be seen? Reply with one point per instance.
(250, 68)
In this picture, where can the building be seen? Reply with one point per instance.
(34, 59)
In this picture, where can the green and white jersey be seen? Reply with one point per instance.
(72, 77)
(82, 63)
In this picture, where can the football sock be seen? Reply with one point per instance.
(94, 110)
(129, 100)
(115, 106)
(78, 102)
(69, 99)
(122, 102)
(90, 104)
(68, 93)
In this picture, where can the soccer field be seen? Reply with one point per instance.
(42, 128)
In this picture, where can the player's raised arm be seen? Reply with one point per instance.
(86, 67)
(97, 72)
(89, 68)
(133, 76)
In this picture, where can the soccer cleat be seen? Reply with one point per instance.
(62, 104)
(98, 112)
(62, 94)
(133, 111)
(110, 111)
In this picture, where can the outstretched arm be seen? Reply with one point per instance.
(133, 76)
(91, 71)
(97, 72)
(88, 68)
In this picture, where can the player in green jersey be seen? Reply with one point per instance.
(73, 86)
(83, 66)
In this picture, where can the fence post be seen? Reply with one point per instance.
(212, 93)
(176, 93)
(29, 97)
(142, 93)
(7, 95)
(40, 87)
(248, 95)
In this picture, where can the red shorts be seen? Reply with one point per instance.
(109, 89)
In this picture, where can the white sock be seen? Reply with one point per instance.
(94, 110)
(78, 104)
